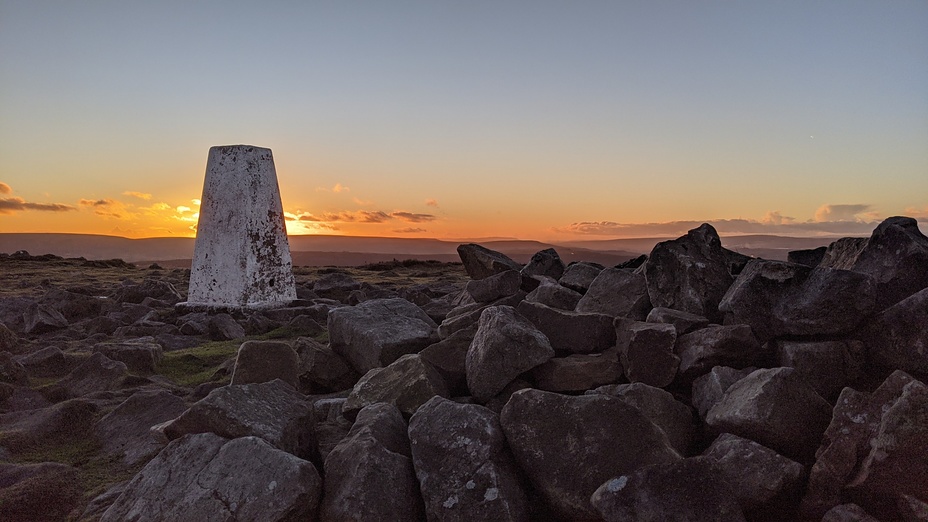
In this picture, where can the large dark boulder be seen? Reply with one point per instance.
(408, 383)
(647, 351)
(494, 287)
(321, 370)
(505, 346)
(673, 417)
(691, 273)
(733, 346)
(125, 432)
(209, 478)
(895, 255)
(264, 361)
(481, 262)
(569, 446)
(579, 276)
(828, 366)
(40, 318)
(546, 262)
(617, 293)
(570, 332)
(377, 332)
(369, 474)
(898, 339)
(781, 299)
(97, 373)
(578, 372)
(549, 292)
(61, 422)
(463, 463)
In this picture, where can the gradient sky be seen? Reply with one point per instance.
(453, 119)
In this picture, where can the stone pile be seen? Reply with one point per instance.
(696, 384)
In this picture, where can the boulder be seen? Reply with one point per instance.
(272, 410)
(369, 474)
(407, 383)
(549, 292)
(647, 351)
(568, 446)
(897, 337)
(141, 355)
(691, 273)
(149, 288)
(12, 371)
(263, 361)
(780, 299)
(39, 319)
(848, 513)
(9, 342)
(755, 474)
(570, 332)
(895, 257)
(776, 408)
(481, 262)
(617, 293)
(330, 425)
(828, 366)
(321, 370)
(209, 478)
(855, 421)
(809, 257)
(449, 357)
(673, 417)
(97, 373)
(466, 316)
(125, 432)
(546, 263)
(335, 285)
(505, 346)
(683, 322)
(48, 362)
(494, 287)
(40, 492)
(223, 327)
(578, 372)
(375, 333)
(579, 276)
(689, 490)
(67, 420)
(707, 389)
(733, 346)
(463, 464)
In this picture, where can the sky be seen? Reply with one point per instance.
(447, 119)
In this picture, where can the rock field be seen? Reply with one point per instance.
(694, 384)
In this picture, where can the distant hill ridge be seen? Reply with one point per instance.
(353, 250)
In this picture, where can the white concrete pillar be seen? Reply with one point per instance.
(242, 256)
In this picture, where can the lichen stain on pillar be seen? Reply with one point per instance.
(242, 255)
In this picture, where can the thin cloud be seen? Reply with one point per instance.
(410, 230)
(723, 226)
(359, 216)
(362, 203)
(96, 202)
(412, 217)
(5, 189)
(139, 195)
(15, 204)
(107, 208)
(842, 212)
(917, 213)
(431, 203)
(338, 187)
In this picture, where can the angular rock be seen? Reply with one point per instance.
(895, 256)
(897, 463)
(494, 287)
(570, 332)
(775, 408)
(41, 319)
(707, 389)
(809, 257)
(264, 361)
(97, 373)
(374, 454)
(670, 415)
(149, 288)
(689, 490)
(330, 425)
(912, 509)
(755, 474)
(578, 372)
(549, 292)
(222, 327)
(273, 411)
(779, 299)
(828, 366)
(139, 355)
(579, 276)
(691, 273)
(406, 383)
(569, 446)
(683, 322)
(848, 513)
(505, 345)
(463, 464)
(9, 342)
(449, 357)
(375, 333)
(206, 477)
(126, 431)
(546, 263)
(647, 351)
(40, 492)
(63, 421)
(854, 423)
(321, 369)
(481, 262)
(897, 337)
(336, 285)
(617, 293)
(733, 346)
(12, 371)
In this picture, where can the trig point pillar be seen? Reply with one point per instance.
(242, 256)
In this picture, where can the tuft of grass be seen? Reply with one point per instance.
(194, 366)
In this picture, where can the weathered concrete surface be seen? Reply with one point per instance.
(242, 255)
